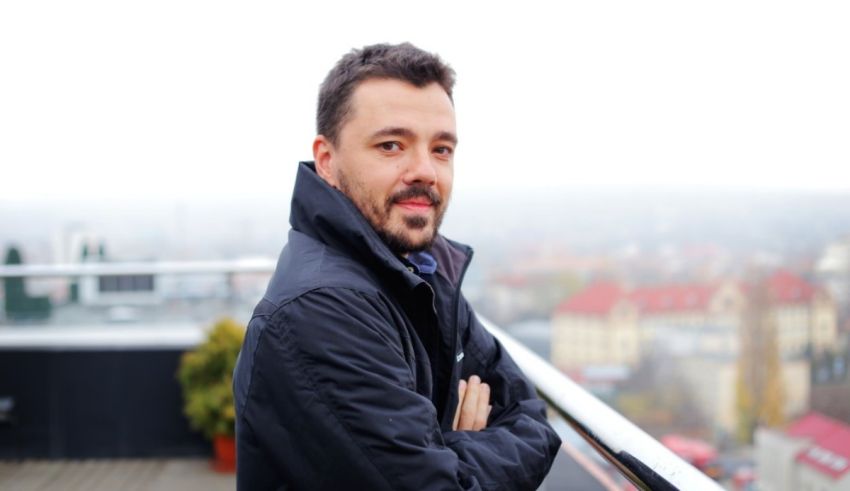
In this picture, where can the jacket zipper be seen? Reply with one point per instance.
(456, 309)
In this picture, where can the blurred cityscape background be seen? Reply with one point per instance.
(716, 321)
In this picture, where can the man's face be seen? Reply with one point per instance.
(394, 159)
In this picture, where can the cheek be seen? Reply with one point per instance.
(446, 180)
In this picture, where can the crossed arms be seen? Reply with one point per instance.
(332, 403)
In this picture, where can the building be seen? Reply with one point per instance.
(700, 326)
(806, 316)
(597, 326)
(812, 454)
(610, 324)
(713, 380)
(112, 290)
(833, 270)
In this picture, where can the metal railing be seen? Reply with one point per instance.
(637, 456)
(139, 268)
(640, 458)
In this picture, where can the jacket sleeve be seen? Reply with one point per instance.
(518, 445)
(331, 401)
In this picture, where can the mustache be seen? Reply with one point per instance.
(416, 191)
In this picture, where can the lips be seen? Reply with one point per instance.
(416, 198)
(415, 204)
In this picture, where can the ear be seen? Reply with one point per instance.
(323, 155)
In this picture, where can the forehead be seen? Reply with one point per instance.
(378, 103)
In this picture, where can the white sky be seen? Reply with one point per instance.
(196, 99)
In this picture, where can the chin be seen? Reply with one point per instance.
(422, 244)
(408, 241)
(420, 240)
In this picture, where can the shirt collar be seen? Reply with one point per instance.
(423, 262)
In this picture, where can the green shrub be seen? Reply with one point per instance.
(206, 375)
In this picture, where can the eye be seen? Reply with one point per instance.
(389, 146)
(444, 150)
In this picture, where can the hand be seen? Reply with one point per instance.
(473, 407)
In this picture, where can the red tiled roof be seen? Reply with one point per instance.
(596, 299)
(673, 298)
(812, 425)
(829, 452)
(600, 298)
(786, 287)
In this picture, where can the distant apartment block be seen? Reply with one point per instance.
(812, 454)
(833, 270)
(124, 289)
(113, 290)
(700, 326)
(597, 326)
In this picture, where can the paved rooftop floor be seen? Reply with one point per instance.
(112, 474)
(189, 474)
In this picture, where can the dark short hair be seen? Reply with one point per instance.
(402, 61)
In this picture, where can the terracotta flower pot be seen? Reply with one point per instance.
(225, 453)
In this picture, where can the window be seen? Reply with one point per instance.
(126, 283)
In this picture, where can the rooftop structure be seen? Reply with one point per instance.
(812, 453)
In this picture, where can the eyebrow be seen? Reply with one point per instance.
(447, 136)
(407, 133)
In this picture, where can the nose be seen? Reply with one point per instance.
(421, 168)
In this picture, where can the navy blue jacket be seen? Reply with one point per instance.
(348, 375)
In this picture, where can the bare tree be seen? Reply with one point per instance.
(760, 397)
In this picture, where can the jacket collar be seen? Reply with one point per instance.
(327, 215)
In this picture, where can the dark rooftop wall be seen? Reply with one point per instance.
(94, 404)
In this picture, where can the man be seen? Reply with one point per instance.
(363, 366)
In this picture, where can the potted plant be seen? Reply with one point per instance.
(206, 376)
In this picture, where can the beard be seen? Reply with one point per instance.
(401, 238)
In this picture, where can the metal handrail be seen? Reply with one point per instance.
(640, 458)
(259, 265)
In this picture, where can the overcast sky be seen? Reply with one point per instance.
(182, 100)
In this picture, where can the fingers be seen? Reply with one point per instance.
(473, 405)
(469, 404)
(482, 409)
(461, 392)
